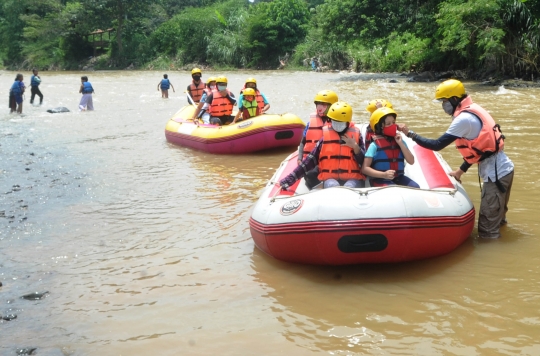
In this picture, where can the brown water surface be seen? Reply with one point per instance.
(145, 248)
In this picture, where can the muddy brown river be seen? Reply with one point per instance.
(144, 247)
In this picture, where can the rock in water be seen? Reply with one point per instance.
(34, 296)
(58, 110)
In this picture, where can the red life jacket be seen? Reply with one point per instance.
(489, 141)
(220, 105)
(369, 136)
(258, 97)
(337, 161)
(196, 90)
(388, 156)
(313, 134)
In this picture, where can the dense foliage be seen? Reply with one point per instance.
(488, 37)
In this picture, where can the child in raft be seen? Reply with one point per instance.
(248, 107)
(386, 156)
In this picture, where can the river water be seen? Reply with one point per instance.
(145, 247)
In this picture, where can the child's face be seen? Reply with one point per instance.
(250, 97)
(389, 120)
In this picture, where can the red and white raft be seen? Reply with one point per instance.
(340, 225)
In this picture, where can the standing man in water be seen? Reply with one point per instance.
(16, 94)
(479, 140)
(35, 81)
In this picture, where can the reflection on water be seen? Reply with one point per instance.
(144, 247)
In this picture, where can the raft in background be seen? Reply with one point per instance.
(341, 225)
(256, 134)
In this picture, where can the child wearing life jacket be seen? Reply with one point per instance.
(371, 107)
(35, 81)
(16, 94)
(248, 107)
(164, 85)
(386, 156)
(86, 90)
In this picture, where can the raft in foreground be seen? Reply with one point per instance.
(340, 225)
(259, 133)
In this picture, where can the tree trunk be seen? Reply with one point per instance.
(119, 30)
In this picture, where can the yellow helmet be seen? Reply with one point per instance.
(249, 91)
(448, 89)
(251, 80)
(372, 105)
(221, 79)
(195, 71)
(326, 96)
(340, 111)
(378, 114)
(211, 79)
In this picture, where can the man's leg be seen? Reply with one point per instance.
(493, 207)
(329, 183)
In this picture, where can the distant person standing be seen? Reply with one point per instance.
(86, 89)
(15, 94)
(35, 81)
(164, 85)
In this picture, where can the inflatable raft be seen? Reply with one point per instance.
(256, 134)
(341, 225)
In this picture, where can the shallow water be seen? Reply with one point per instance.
(145, 248)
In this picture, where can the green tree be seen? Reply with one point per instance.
(274, 29)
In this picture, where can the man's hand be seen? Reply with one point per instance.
(403, 128)
(456, 174)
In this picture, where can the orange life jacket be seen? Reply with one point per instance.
(489, 141)
(258, 97)
(196, 90)
(220, 105)
(313, 134)
(335, 160)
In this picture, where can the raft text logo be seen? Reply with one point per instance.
(291, 207)
(243, 125)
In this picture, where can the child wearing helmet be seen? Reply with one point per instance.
(262, 101)
(479, 140)
(164, 85)
(385, 158)
(339, 153)
(371, 107)
(196, 88)
(248, 107)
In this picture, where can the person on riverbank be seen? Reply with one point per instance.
(386, 156)
(164, 85)
(35, 81)
(248, 107)
(219, 104)
(339, 153)
(86, 90)
(196, 88)
(479, 140)
(262, 101)
(314, 132)
(16, 94)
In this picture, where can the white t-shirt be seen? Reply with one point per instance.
(468, 126)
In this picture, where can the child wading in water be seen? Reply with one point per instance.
(86, 90)
(16, 94)
(164, 85)
(248, 108)
(385, 158)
